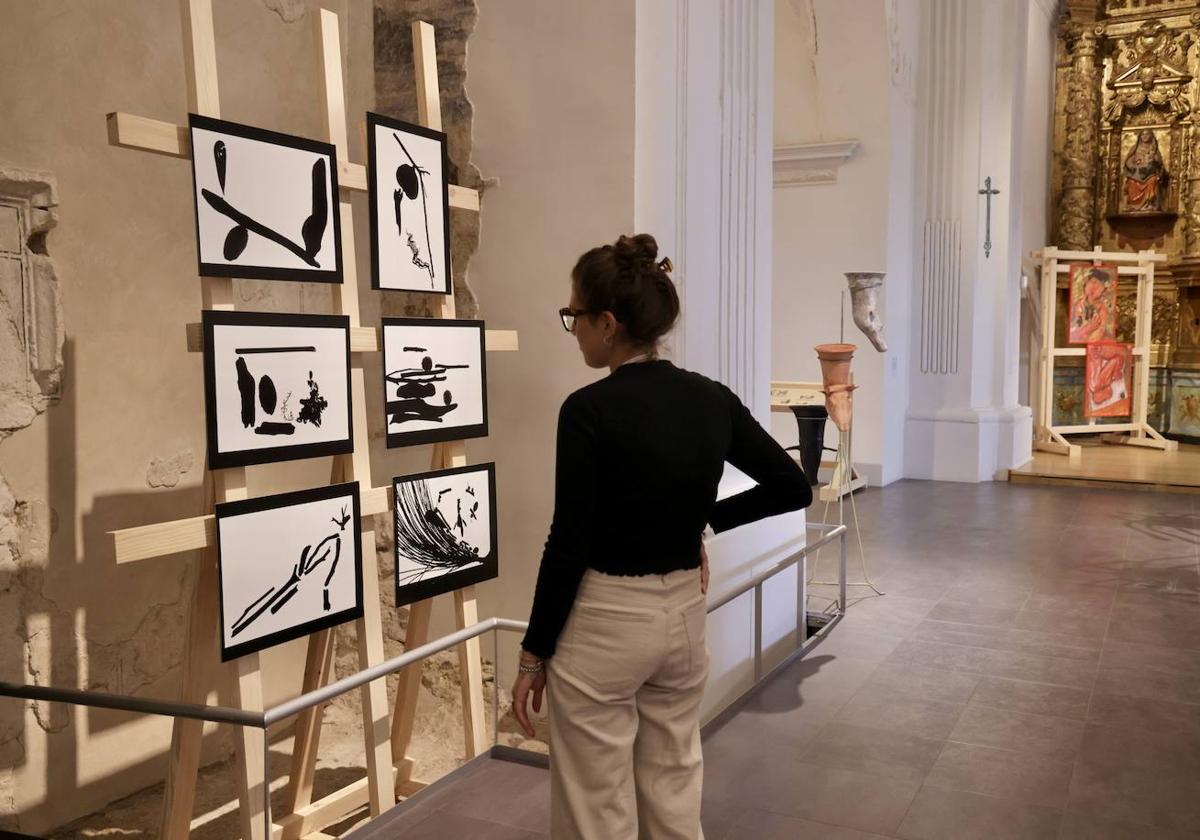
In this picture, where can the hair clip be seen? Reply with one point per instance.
(665, 265)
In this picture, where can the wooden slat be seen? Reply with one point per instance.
(163, 538)
(461, 198)
(134, 132)
(200, 57)
(246, 676)
(131, 131)
(200, 658)
(317, 669)
(470, 673)
(1098, 428)
(366, 340)
(404, 714)
(429, 106)
(1126, 270)
(1104, 256)
(1147, 442)
(1082, 351)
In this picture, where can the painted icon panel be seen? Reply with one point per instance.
(266, 203)
(277, 387)
(410, 206)
(435, 382)
(445, 531)
(288, 565)
(1092, 310)
(1108, 379)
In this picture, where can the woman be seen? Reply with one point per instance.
(617, 625)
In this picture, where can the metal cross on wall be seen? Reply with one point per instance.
(989, 192)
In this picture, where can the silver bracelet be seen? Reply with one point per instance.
(532, 670)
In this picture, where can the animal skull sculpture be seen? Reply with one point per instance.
(864, 301)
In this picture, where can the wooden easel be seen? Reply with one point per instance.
(1048, 437)
(244, 686)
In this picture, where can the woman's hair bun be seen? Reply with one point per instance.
(627, 279)
(634, 252)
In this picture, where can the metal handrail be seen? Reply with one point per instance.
(282, 711)
(262, 720)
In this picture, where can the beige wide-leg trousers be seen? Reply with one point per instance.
(625, 685)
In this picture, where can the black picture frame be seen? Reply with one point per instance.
(268, 272)
(373, 175)
(260, 504)
(435, 435)
(223, 459)
(489, 567)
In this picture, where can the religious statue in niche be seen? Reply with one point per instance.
(1145, 176)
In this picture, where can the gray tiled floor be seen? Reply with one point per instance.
(1033, 671)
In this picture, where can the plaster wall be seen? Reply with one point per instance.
(124, 444)
(553, 91)
(1038, 142)
(832, 82)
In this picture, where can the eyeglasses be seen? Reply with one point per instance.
(568, 316)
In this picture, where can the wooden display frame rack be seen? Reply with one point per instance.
(1048, 437)
(389, 768)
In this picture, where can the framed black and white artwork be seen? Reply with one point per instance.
(276, 387)
(445, 533)
(435, 382)
(410, 206)
(266, 203)
(288, 565)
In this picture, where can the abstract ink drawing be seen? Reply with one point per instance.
(274, 599)
(434, 380)
(445, 531)
(263, 203)
(409, 204)
(276, 386)
(410, 181)
(415, 388)
(288, 565)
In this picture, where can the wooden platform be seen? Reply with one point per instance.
(1123, 467)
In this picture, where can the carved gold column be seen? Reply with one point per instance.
(1077, 207)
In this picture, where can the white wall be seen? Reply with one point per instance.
(553, 91)
(703, 188)
(982, 112)
(842, 73)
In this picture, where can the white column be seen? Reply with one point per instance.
(963, 421)
(703, 178)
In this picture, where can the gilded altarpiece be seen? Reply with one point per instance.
(1126, 176)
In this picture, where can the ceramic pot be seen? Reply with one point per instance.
(836, 384)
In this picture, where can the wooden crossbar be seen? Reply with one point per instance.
(366, 340)
(1097, 255)
(149, 135)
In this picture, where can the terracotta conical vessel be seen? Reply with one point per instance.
(835, 362)
(836, 384)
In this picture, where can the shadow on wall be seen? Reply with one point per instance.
(88, 622)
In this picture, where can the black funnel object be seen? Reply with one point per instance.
(810, 420)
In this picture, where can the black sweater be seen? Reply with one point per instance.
(640, 454)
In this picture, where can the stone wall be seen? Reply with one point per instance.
(101, 418)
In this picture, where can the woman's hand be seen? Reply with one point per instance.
(524, 685)
(703, 569)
